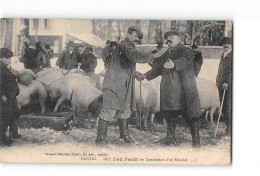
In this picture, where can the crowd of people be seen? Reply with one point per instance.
(177, 64)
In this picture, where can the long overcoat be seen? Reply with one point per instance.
(67, 60)
(88, 61)
(119, 81)
(178, 87)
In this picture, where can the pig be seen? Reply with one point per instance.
(82, 97)
(61, 89)
(208, 93)
(148, 103)
(35, 89)
(25, 77)
(209, 97)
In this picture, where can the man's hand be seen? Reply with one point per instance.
(225, 86)
(139, 76)
(4, 98)
(14, 72)
(159, 53)
(169, 64)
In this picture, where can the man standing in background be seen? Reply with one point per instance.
(9, 112)
(67, 58)
(224, 82)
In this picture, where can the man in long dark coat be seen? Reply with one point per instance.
(178, 89)
(86, 60)
(9, 112)
(119, 84)
(28, 58)
(67, 59)
(224, 81)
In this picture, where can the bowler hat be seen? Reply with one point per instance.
(194, 46)
(90, 49)
(113, 43)
(137, 30)
(47, 46)
(70, 43)
(171, 33)
(38, 44)
(226, 40)
(6, 53)
(159, 45)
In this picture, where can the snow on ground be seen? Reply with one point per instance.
(79, 140)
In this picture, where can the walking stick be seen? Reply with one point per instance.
(140, 105)
(220, 112)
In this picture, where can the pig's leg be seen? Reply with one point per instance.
(212, 110)
(43, 106)
(88, 118)
(152, 118)
(144, 118)
(206, 116)
(60, 100)
(137, 116)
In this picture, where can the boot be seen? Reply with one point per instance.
(14, 130)
(194, 129)
(4, 141)
(229, 129)
(124, 133)
(102, 132)
(170, 134)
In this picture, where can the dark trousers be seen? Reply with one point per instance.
(227, 105)
(9, 116)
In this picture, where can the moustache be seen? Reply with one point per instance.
(168, 41)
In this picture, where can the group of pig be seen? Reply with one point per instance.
(59, 85)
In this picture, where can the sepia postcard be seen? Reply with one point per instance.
(109, 91)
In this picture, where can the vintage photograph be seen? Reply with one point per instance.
(110, 91)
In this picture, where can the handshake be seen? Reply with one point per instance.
(140, 76)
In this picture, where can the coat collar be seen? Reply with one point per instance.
(128, 41)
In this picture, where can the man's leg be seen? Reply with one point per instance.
(194, 130)
(14, 120)
(3, 126)
(123, 117)
(104, 117)
(227, 110)
(171, 119)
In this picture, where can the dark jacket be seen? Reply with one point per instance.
(107, 55)
(43, 59)
(119, 81)
(178, 89)
(67, 60)
(88, 61)
(29, 59)
(225, 70)
(8, 84)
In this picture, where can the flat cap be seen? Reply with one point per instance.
(137, 30)
(173, 32)
(6, 53)
(226, 40)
